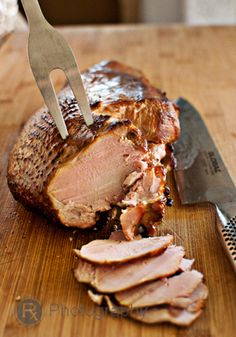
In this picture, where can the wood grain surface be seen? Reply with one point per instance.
(36, 257)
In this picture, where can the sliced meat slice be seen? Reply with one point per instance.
(186, 264)
(106, 299)
(161, 291)
(117, 236)
(130, 220)
(147, 202)
(85, 272)
(110, 279)
(111, 251)
(170, 314)
(198, 298)
(194, 301)
(185, 316)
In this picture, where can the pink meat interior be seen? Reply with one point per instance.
(93, 180)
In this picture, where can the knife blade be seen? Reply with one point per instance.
(201, 175)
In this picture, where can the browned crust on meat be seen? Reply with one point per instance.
(124, 92)
(130, 83)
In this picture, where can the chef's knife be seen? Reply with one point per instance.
(201, 175)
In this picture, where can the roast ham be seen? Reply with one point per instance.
(116, 161)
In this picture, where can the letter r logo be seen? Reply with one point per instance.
(29, 311)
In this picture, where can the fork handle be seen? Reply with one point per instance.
(33, 12)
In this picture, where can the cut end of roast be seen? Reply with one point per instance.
(92, 181)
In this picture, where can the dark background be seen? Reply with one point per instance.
(64, 12)
(194, 12)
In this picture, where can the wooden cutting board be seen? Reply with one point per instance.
(36, 258)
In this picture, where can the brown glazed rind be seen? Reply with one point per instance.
(124, 93)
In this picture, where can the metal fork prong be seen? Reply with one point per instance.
(48, 50)
(77, 87)
(50, 98)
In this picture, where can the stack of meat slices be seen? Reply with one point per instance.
(120, 161)
(148, 278)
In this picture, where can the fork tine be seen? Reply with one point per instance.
(48, 50)
(76, 84)
(50, 98)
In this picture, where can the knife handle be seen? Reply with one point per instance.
(226, 228)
